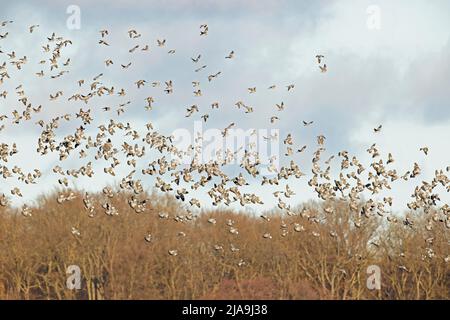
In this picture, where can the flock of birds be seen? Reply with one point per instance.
(183, 181)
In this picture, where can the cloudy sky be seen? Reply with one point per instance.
(388, 63)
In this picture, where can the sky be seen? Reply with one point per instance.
(388, 63)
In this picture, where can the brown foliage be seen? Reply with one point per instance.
(116, 262)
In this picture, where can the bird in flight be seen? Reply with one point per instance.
(31, 28)
(230, 55)
(323, 68)
(201, 68)
(125, 66)
(161, 43)
(204, 29)
(424, 150)
(378, 129)
(195, 60)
